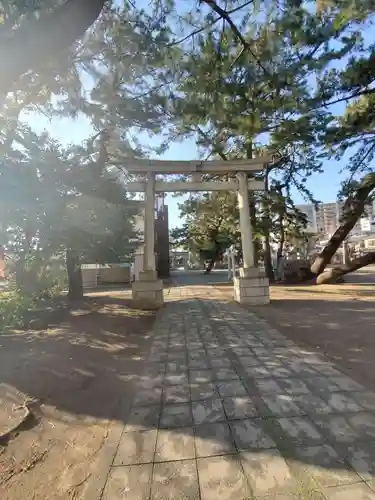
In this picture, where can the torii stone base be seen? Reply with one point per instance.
(252, 287)
(147, 291)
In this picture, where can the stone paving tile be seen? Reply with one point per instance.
(294, 386)
(220, 363)
(336, 428)
(132, 483)
(365, 399)
(176, 394)
(280, 372)
(268, 473)
(136, 448)
(267, 385)
(148, 397)
(248, 434)
(175, 480)
(352, 492)
(213, 439)
(341, 402)
(324, 465)
(175, 444)
(303, 370)
(231, 388)
(312, 404)
(364, 424)
(361, 457)
(225, 374)
(176, 415)
(200, 376)
(298, 430)
(154, 369)
(199, 364)
(222, 478)
(177, 355)
(156, 356)
(176, 367)
(208, 411)
(322, 384)
(207, 390)
(330, 370)
(198, 355)
(248, 361)
(259, 371)
(142, 418)
(281, 404)
(173, 378)
(347, 384)
(239, 407)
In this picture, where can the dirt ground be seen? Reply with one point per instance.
(76, 380)
(338, 320)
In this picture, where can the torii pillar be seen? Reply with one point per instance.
(147, 291)
(252, 286)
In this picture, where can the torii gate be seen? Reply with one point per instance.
(252, 286)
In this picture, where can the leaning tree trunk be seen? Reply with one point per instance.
(353, 209)
(73, 268)
(338, 271)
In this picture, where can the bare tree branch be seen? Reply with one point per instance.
(225, 15)
(209, 25)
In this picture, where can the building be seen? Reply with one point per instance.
(326, 218)
(309, 211)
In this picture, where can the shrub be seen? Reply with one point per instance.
(13, 308)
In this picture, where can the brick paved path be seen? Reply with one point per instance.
(228, 408)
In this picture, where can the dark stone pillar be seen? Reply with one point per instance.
(162, 242)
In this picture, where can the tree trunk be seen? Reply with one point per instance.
(338, 271)
(267, 258)
(280, 248)
(73, 268)
(253, 222)
(266, 226)
(37, 41)
(353, 209)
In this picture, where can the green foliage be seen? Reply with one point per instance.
(13, 308)
(211, 225)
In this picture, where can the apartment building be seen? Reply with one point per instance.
(326, 218)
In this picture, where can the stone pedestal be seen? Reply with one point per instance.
(252, 287)
(147, 292)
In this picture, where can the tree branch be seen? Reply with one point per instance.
(39, 40)
(225, 15)
(203, 28)
(338, 271)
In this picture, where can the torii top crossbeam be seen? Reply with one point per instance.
(137, 166)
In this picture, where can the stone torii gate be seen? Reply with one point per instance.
(252, 286)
